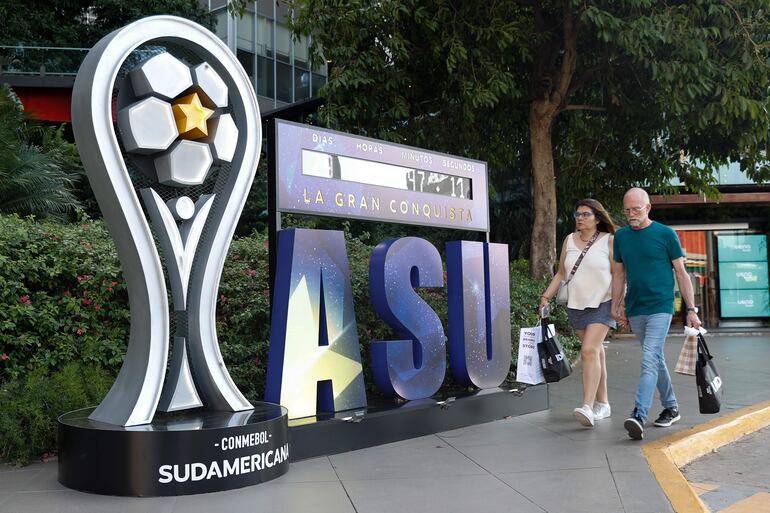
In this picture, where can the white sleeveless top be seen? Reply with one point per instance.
(592, 283)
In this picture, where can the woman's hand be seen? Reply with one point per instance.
(619, 314)
(543, 302)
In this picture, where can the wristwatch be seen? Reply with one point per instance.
(693, 309)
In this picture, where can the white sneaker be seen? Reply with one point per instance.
(602, 410)
(584, 415)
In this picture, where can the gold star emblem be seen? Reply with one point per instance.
(191, 117)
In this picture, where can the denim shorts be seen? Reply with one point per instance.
(602, 314)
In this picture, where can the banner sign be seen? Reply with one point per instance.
(325, 172)
(743, 280)
(743, 275)
(745, 303)
(742, 248)
(168, 127)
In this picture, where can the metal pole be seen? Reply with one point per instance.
(274, 216)
(275, 56)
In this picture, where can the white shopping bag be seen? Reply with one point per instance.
(528, 368)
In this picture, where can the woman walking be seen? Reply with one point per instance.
(590, 298)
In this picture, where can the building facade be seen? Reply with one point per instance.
(278, 65)
(725, 246)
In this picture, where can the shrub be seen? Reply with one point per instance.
(525, 295)
(39, 169)
(243, 320)
(64, 320)
(31, 405)
(62, 298)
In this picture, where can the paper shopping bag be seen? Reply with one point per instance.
(687, 357)
(528, 368)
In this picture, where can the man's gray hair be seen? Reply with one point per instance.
(638, 191)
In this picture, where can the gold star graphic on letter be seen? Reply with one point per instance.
(191, 117)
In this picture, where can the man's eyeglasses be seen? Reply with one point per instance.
(584, 215)
(633, 210)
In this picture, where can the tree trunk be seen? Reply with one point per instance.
(542, 252)
(544, 108)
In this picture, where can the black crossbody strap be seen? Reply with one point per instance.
(583, 254)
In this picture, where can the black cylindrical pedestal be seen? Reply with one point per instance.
(177, 454)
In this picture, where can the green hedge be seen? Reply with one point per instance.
(62, 297)
(31, 404)
(64, 321)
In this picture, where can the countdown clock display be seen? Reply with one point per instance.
(324, 172)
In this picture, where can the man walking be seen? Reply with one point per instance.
(645, 252)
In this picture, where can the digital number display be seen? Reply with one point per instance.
(351, 169)
(437, 183)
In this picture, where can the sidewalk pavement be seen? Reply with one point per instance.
(734, 478)
(541, 462)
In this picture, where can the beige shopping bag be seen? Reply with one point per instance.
(687, 357)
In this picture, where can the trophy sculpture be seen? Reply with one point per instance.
(169, 131)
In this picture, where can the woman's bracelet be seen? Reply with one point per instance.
(546, 297)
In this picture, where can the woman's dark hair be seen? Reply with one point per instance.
(605, 223)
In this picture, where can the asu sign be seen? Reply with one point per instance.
(314, 364)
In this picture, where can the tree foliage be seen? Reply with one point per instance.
(583, 97)
(38, 167)
(81, 23)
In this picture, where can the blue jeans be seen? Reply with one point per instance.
(651, 331)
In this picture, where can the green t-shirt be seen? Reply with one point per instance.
(646, 255)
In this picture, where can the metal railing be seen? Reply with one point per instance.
(41, 60)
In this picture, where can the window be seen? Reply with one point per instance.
(301, 84)
(265, 77)
(284, 82)
(278, 66)
(247, 61)
(301, 53)
(318, 82)
(282, 43)
(245, 28)
(221, 27)
(264, 36)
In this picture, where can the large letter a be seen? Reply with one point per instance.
(314, 363)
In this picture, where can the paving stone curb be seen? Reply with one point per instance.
(667, 455)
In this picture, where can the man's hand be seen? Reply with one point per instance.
(617, 312)
(692, 320)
